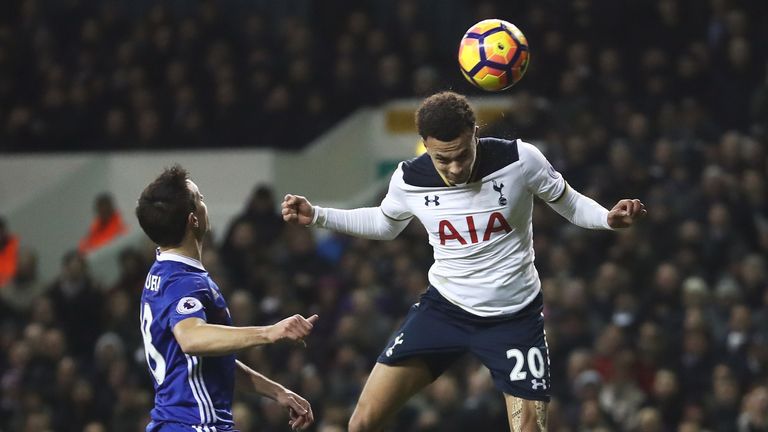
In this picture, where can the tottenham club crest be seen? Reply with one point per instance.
(188, 305)
(498, 187)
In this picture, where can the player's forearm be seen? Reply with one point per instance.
(258, 382)
(581, 210)
(368, 222)
(214, 340)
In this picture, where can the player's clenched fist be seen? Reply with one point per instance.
(297, 209)
(294, 328)
(625, 213)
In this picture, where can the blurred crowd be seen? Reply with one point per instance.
(82, 75)
(663, 327)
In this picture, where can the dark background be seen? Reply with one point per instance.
(659, 328)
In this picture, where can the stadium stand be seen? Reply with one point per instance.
(659, 328)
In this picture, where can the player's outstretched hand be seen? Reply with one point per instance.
(294, 328)
(297, 209)
(299, 410)
(625, 213)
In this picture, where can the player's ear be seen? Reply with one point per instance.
(192, 220)
(424, 144)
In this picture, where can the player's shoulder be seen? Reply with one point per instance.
(533, 159)
(181, 284)
(494, 154)
(527, 150)
(420, 172)
(500, 146)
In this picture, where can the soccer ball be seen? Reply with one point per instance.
(493, 55)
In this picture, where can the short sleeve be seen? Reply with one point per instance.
(394, 204)
(540, 176)
(190, 301)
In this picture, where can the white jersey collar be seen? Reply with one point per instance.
(168, 256)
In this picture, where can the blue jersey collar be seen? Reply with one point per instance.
(168, 256)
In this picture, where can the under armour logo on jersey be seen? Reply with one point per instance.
(398, 341)
(435, 200)
(535, 384)
(498, 187)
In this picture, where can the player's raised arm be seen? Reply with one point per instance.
(548, 184)
(376, 223)
(586, 213)
(197, 337)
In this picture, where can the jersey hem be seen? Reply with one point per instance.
(521, 306)
(222, 427)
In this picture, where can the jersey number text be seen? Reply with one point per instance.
(149, 350)
(535, 363)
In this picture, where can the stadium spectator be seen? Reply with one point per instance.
(77, 302)
(666, 398)
(621, 397)
(21, 291)
(106, 226)
(9, 254)
(754, 412)
(261, 212)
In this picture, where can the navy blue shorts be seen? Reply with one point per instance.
(512, 347)
(180, 427)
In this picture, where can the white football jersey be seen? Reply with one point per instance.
(481, 232)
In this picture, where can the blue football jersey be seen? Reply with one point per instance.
(189, 390)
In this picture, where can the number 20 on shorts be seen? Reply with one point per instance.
(535, 363)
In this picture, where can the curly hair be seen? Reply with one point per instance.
(445, 116)
(164, 206)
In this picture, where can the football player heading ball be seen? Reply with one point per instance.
(474, 196)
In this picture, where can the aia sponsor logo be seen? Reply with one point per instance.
(496, 223)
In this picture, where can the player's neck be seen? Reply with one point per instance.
(188, 248)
